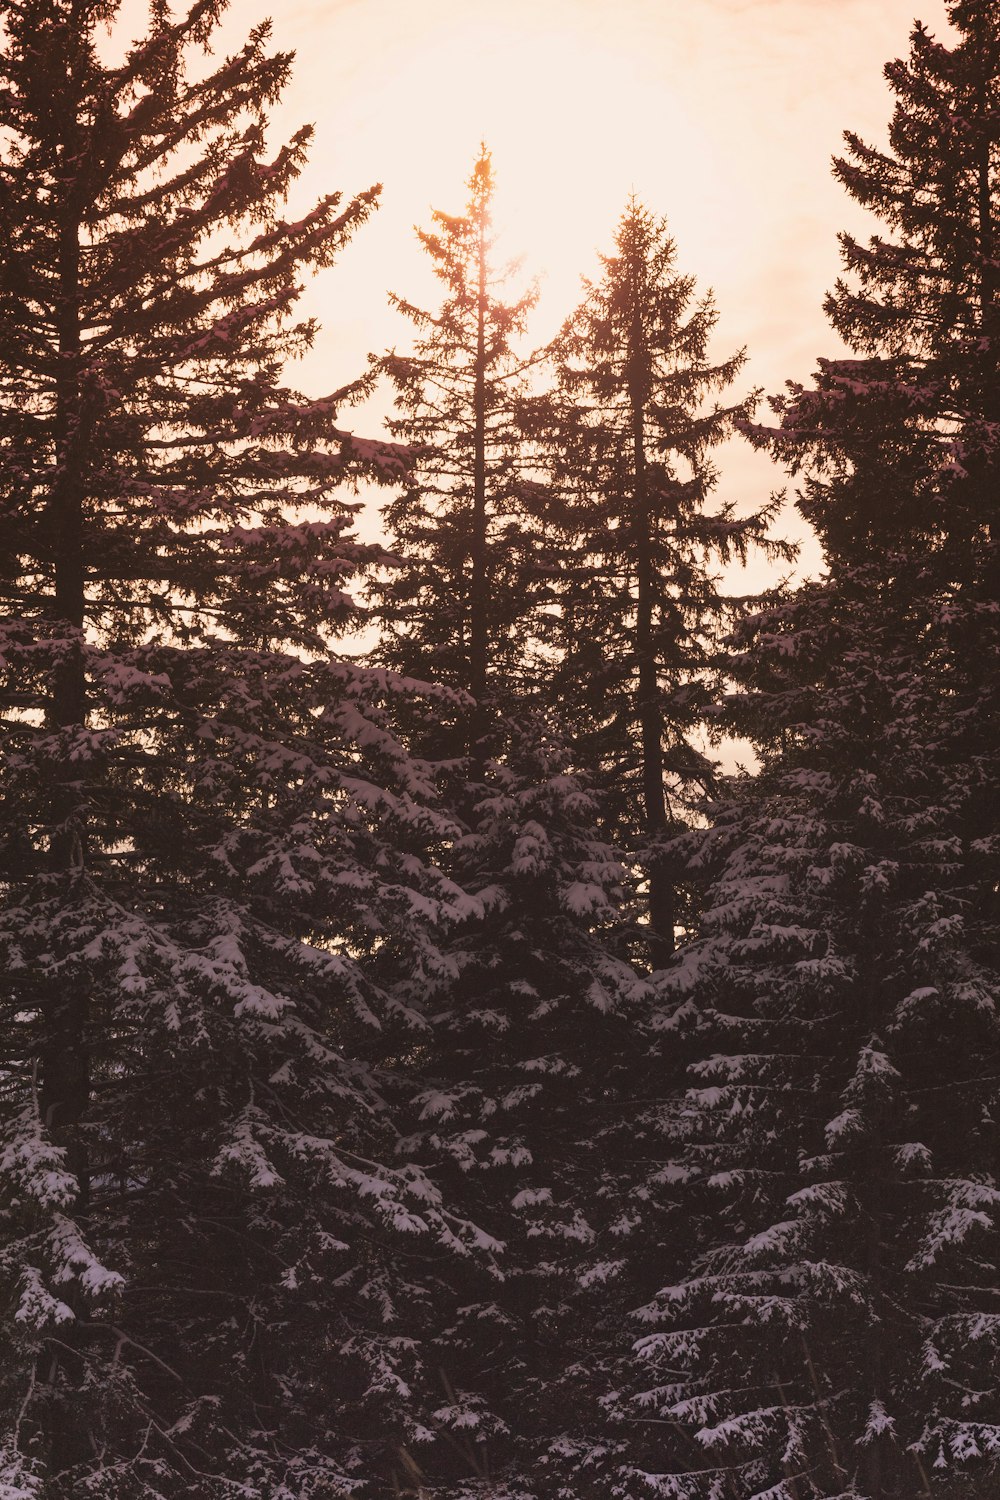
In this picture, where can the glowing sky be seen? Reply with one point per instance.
(720, 114)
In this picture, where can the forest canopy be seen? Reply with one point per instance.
(428, 1065)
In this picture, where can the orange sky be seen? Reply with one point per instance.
(720, 114)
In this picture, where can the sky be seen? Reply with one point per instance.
(721, 115)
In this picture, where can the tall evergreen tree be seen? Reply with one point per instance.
(458, 609)
(526, 1091)
(918, 309)
(537, 1016)
(639, 602)
(838, 1333)
(214, 843)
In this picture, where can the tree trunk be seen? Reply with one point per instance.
(661, 893)
(988, 322)
(478, 617)
(64, 1092)
(984, 184)
(881, 1459)
(65, 1084)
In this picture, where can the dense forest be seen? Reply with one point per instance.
(426, 1067)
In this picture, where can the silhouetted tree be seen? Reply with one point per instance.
(639, 603)
(837, 1334)
(459, 608)
(214, 843)
(526, 1085)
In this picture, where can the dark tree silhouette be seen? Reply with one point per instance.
(214, 844)
(639, 603)
(837, 1333)
(459, 610)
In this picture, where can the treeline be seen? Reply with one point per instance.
(429, 1074)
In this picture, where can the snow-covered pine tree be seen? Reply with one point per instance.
(838, 1334)
(639, 600)
(214, 844)
(537, 1017)
(459, 609)
(528, 1077)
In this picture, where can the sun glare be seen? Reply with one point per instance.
(581, 104)
(559, 114)
(575, 123)
(720, 124)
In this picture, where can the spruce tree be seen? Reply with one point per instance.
(458, 610)
(837, 1333)
(215, 845)
(526, 1090)
(639, 602)
(537, 1016)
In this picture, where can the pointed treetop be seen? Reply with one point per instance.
(482, 182)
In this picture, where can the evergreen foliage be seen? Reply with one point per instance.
(339, 1135)
(915, 412)
(214, 841)
(834, 1333)
(458, 610)
(639, 600)
(538, 1032)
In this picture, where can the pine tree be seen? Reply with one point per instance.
(837, 1334)
(526, 1095)
(215, 845)
(537, 1014)
(458, 610)
(639, 603)
(919, 309)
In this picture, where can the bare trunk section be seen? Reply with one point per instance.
(987, 232)
(887, 1467)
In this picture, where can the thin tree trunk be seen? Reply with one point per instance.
(987, 270)
(661, 893)
(478, 614)
(65, 1084)
(987, 297)
(872, 1197)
